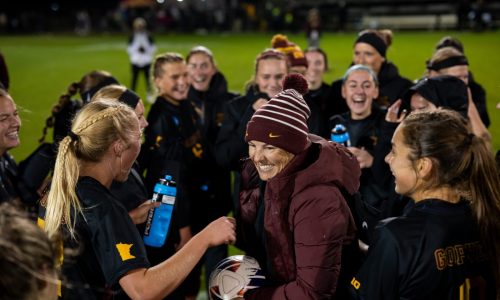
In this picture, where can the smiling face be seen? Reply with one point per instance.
(173, 83)
(359, 90)
(268, 160)
(201, 69)
(10, 123)
(269, 75)
(401, 166)
(367, 55)
(316, 69)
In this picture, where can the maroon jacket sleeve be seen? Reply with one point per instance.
(322, 222)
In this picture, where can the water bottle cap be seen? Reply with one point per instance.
(339, 127)
(168, 177)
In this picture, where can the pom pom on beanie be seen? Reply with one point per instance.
(296, 82)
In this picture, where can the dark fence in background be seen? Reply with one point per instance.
(92, 16)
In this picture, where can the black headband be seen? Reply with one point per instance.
(130, 98)
(86, 96)
(449, 62)
(373, 40)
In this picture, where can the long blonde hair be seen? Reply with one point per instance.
(97, 125)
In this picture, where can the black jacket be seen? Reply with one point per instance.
(392, 86)
(376, 183)
(210, 108)
(231, 145)
(321, 110)
(479, 98)
(428, 253)
(103, 225)
(15, 183)
(8, 178)
(170, 141)
(212, 192)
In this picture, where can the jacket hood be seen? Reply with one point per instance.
(218, 84)
(324, 162)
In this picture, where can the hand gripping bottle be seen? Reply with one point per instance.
(158, 222)
(340, 135)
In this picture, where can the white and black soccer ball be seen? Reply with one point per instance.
(235, 275)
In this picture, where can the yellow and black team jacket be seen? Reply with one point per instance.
(107, 246)
(431, 252)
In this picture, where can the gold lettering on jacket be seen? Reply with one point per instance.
(456, 255)
(355, 283)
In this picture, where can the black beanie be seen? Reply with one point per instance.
(443, 91)
(373, 40)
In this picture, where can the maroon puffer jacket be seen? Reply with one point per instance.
(306, 220)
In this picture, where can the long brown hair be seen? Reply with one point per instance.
(462, 162)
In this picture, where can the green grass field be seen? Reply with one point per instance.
(42, 67)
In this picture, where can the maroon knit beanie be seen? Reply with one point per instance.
(292, 51)
(282, 121)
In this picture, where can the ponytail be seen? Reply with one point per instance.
(484, 187)
(62, 196)
(64, 101)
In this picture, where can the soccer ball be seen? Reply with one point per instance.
(233, 276)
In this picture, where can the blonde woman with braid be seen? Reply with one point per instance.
(131, 193)
(102, 146)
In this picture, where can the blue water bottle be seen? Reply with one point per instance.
(340, 135)
(158, 222)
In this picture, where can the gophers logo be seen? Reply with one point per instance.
(124, 250)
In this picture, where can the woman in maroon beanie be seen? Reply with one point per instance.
(294, 217)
